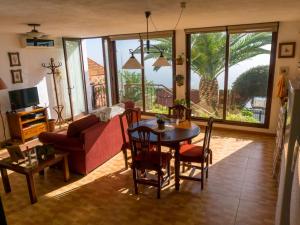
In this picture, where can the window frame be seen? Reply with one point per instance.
(141, 37)
(189, 32)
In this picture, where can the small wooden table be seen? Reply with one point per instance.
(172, 136)
(30, 170)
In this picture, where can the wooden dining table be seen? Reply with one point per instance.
(173, 134)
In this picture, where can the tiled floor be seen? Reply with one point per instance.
(239, 191)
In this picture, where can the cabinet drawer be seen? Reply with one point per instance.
(34, 130)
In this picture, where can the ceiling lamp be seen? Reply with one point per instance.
(133, 63)
(34, 33)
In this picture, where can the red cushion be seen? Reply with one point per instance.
(151, 159)
(78, 126)
(191, 153)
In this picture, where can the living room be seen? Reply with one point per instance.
(103, 57)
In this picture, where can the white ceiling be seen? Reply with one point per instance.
(83, 18)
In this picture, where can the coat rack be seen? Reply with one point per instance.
(58, 108)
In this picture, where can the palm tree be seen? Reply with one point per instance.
(208, 52)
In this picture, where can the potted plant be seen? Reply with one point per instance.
(160, 119)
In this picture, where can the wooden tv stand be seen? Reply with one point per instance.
(27, 124)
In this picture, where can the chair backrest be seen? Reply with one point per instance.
(141, 144)
(207, 136)
(180, 112)
(127, 118)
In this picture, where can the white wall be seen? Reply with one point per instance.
(32, 71)
(288, 32)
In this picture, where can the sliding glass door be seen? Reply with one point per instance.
(87, 74)
(76, 81)
(230, 73)
(95, 73)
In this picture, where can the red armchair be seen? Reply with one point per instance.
(89, 141)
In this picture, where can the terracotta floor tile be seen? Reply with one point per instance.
(239, 190)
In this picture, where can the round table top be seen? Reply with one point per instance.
(173, 133)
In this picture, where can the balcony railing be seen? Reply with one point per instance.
(98, 95)
(155, 94)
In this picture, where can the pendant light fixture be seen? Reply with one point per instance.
(133, 63)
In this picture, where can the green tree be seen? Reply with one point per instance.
(131, 83)
(250, 84)
(132, 86)
(208, 57)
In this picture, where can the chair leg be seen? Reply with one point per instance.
(169, 172)
(134, 181)
(125, 157)
(159, 184)
(202, 175)
(207, 164)
(183, 167)
(210, 155)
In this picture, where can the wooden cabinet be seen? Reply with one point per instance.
(28, 124)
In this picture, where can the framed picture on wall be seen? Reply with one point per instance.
(14, 59)
(16, 76)
(287, 50)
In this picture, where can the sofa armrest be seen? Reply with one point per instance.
(50, 138)
(61, 141)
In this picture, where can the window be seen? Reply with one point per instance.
(207, 66)
(150, 88)
(230, 73)
(129, 81)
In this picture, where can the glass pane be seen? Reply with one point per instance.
(95, 72)
(75, 77)
(207, 74)
(248, 77)
(129, 80)
(158, 81)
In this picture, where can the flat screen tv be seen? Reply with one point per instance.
(23, 98)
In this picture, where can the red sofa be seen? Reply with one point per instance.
(89, 141)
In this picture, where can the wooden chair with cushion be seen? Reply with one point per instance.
(180, 112)
(127, 118)
(190, 153)
(146, 157)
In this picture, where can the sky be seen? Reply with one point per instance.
(164, 75)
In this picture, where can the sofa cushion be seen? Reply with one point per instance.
(78, 126)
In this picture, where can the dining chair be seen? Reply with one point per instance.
(180, 112)
(146, 157)
(191, 153)
(127, 118)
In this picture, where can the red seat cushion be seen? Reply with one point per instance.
(191, 153)
(149, 160)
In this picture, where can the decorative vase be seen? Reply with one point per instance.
(51, 125)
(161, 124)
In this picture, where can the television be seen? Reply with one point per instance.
(23, 98)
